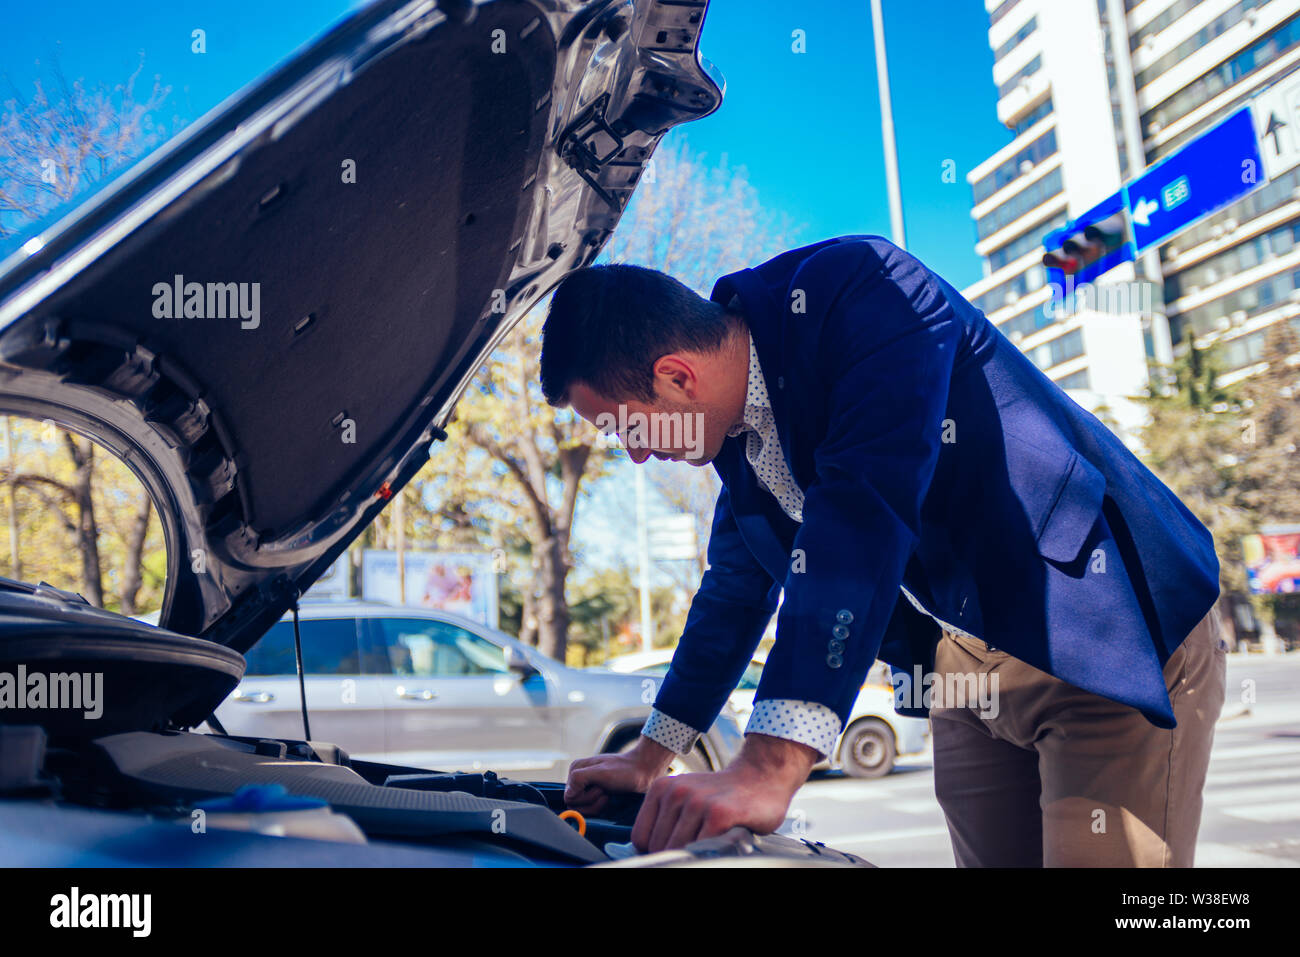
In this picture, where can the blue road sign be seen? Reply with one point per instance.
(1219, 166)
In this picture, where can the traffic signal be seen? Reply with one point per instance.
(1093, 244)
(1110, 233)
(1060, 260)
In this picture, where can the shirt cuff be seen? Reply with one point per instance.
(676, 736)
(807, 722)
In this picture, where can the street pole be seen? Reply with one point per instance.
(643, 559)
(1130, 120)
(399, 516)
(887, 129)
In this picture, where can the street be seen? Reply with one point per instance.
(1252, 795)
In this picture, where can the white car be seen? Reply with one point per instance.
(872, 740)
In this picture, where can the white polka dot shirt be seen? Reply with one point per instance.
(762, 444)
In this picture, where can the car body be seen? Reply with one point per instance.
(274, 349)
(874, 736)
(432, 689)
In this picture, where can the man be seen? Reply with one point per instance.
(925, 495)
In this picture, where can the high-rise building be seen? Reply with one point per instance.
(1094, 91)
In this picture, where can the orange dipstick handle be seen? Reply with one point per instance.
(575, 816)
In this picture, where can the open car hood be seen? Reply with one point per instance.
(493, 147)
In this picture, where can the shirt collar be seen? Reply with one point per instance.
(757, 402)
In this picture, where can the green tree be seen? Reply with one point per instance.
(1268, 489)
(1191, 441)
(607, 615)
(81, 519)
(56, 142)
(63, 137)
(1229, 450)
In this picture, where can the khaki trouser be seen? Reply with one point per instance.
(1064, 778)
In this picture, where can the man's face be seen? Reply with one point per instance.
(669, 428)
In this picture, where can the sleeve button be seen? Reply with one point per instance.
(834, 660)
(844, 616)
(836, 646)
(840, 631)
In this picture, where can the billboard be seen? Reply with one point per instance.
(333, 585)
(1273, 560)
(459, 582)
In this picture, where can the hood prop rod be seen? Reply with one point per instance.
(302, 681)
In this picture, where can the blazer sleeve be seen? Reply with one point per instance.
(736, 599)
(885, 340)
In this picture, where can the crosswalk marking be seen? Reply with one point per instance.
(1251, 751)
(875, 837)
(1247, 792)
(1218, 778)
(1274, 813)
(1211, 854)
(914, 805)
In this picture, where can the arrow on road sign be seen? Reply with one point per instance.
(1274, 124)
(1143, 210)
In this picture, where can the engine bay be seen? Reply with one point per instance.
(120, 777)
(156, 798)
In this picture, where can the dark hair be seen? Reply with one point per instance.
(609, 324)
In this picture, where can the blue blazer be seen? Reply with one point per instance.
(933, 454)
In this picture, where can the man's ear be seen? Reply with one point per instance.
(676, 377)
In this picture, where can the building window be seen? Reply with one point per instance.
(1162, 20)
(1029, 198)
(1061, 349)
(1009, 170)
(1004, 294)
(1001, 10)
(1026, 242)
(1033, 116)
(1029, 69)
(1232, 70)
(1020, 36)
(1263, 200)
(1075, 380)
(1240, 305)
(1247, 350)
(1245, 255)
(1208, 33)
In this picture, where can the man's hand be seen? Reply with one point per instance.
(754, 792)
(592, 780)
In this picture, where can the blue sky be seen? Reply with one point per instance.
(806, 126)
